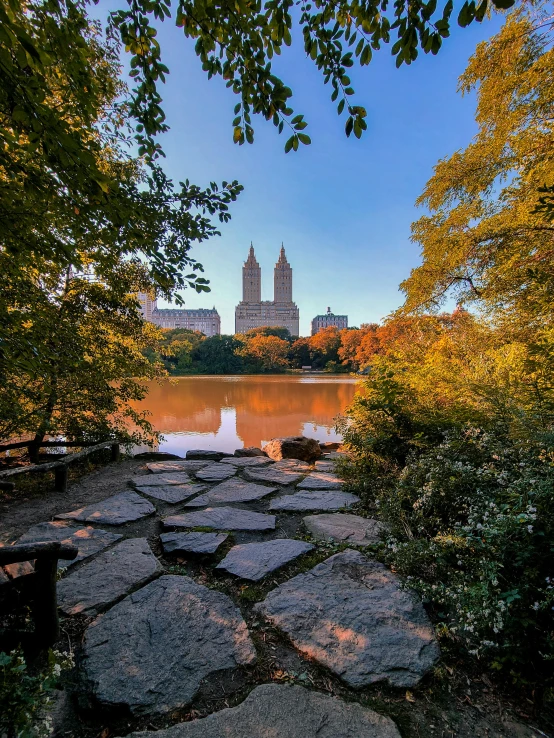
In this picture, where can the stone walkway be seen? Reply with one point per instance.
(156, 635)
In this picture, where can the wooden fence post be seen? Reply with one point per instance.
(115, 451)
(60, 474)
(44, 605)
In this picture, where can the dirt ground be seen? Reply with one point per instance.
(456, 700)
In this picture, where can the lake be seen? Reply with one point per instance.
(229, 412)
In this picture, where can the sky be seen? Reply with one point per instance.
(341, 207)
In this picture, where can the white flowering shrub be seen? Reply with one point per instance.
(471, 525)
(25, 696)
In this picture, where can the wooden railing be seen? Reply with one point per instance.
(60, 466)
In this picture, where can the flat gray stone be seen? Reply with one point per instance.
(307, 500)
(151, 651)
(344, 528)
(249, 451)
(324, 466)
(87, 539)
(243, 461)
(198, 543)
(158, 480)
(254, 560)
(284, 711)
(294, 464)
(173, 494)
(321, 480)
(121, 508)
(206, 455)
(222, 518)
(273, 476)
(215, 472)
(107, 578)
(161, 467)
(351, 614)
(233, 490)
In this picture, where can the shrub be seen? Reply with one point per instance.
(25, 697)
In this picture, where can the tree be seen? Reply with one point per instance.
(218, 355)
(269, 352)
(299, 353)
(324, 346)
(484, 241)
(275, 330)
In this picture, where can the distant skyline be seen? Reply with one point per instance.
(342, 207)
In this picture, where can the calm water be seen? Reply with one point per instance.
(230, 412)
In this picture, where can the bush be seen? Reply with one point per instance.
(25, 697)
(472, 530)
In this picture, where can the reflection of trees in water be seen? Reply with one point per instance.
(266, 407)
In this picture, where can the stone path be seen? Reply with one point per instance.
(159, 635)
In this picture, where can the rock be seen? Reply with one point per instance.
(284, 711)
(155, 456)
(198, 543)
(247, 461)
(174, 494)
(161, 467)
(292, 464)
(222, 518)
(306, 500)
(233, 490)
(324, 466)
(19, 569)
(293, 447)
(206, 455)
(107, 578)
(159, 480)
(273, 475)
(351, 614)
(151, 651)
(121, 508)
(254, 560)
(345, 528)
(3, 577)
(321, 480)
(329, 446)
(216, 472)
(335, 456)
(250, 451)
(88, 540)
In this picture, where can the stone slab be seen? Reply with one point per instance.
(106, 579)
(151, 651)
(206, 455)
(243, 461)
(249, 451)
(173, 494)
(255, 560)
(87, 539)
(295, 464)
(344, 528)
(121, 508)
(215, 472)
(197, 543)
(324, 466)
(284, 711)
(161, 467)
(222, 518)
(321, 480)
(233, 490)
(273, 476)
(351, 614)
(307, 500)
(157, 480)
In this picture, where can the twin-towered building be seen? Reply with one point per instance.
(253, 312)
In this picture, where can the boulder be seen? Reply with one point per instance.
(352, 615)
(206, 455)
(250, 451)
(284, 711)
(254, 560)
(152, 650)
(107, 578)
(293, 447)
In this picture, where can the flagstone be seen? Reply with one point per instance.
(173, 494)
(274, 476)
(255, 560)
(233, 490)
(215, 472)
(195, 542)
(222, 518)
(158, 480)
(321, 480)
(316, 500)
(243, 461)
(160, 467)
(121, 508)
(344, 528)
(88, 540)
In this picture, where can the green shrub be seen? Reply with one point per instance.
(472, 530)
(25, 697)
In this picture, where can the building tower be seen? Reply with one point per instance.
(251, 279)
(282, 285)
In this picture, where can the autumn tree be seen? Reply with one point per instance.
(269, 352)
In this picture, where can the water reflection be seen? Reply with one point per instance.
(229, 412)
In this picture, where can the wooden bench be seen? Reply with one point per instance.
(39, 590)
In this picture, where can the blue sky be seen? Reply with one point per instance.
(342, 207)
